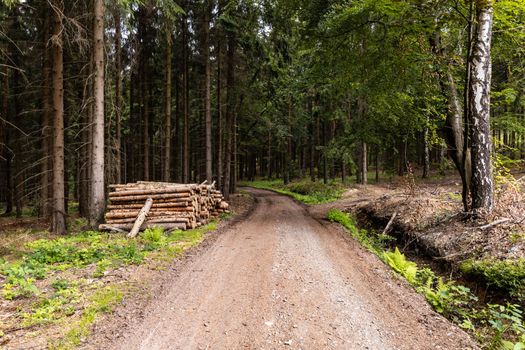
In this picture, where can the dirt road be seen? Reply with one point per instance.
(281, 280)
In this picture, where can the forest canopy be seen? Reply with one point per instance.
(103, 92)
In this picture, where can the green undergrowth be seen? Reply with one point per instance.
(495, 326)
(306, 191)
(102, 301)
(504, 275)
(53, 279)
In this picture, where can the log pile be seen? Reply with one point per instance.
(160, 204)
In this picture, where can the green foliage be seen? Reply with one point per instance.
(63, 250)
(370, 240)
(401, 265)
(455, 196)
(101, 268)
(86, 248)
(154, 238)
(61, 304)
(305, 191)
(18, 282)
(129, 253)
(496, 326)
(102, 301)
(336, 215)
(507, 275)
(517, 237)
(506, 323)
(153, 235)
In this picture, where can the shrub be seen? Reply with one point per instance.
(507, 275)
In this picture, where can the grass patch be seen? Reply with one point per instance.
(495, 326)
(102, 301)
(305, 190)
(59, 280)
(371, 240)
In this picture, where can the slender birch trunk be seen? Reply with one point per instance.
(482, 189)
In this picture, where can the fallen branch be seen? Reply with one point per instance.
(492, 224)
(140, 218)
(105, 227)
(387, 228)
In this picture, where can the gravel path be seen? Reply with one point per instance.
(282, 280)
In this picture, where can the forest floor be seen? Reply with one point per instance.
(428, 216)
(277, 275)
(55, 289)
(281, 279)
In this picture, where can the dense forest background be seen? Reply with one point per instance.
(95, 93)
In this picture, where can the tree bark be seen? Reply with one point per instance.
(118, 96)
(363, 152)
(167, 116)
(479, 99)
(186, 101)
(58, 223)
(6, 154)
(311, 139)
(45, 165)
(219, 147)
(364, 163)
(230, 96)
(426, 150)
(140, 218)
(97, 199)
(454, 130)
(207, 93)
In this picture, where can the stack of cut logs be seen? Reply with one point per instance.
(141, 205)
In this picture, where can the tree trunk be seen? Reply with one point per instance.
(235, 151)
(207, 92)
(325, 162)
(364, 163)
(454, 130)
(186, 101)
(269, 156)
(363, 152)
(482, 188)
(97, 199)
(6, 154)
(118, 97)
(288, 151)
(167, 116)
(58, 224)
(230, 96)
(426, 150)
(17, 182)
(45, 165)
(219, 153)
(377, 164)
(311, 139)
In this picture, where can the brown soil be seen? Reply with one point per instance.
(429, 217)
(281, 279)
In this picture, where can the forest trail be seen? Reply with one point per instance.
(280, 279)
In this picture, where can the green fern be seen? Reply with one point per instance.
(398, 262)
